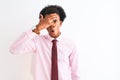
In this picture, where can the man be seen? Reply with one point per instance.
(66, 64)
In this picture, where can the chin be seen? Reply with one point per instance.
(54, 36)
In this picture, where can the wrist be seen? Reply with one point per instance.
(38, 27)
(36, 30)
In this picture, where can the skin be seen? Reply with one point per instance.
(52, 23)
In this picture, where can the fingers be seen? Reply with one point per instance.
(48, 20)
(52, 18)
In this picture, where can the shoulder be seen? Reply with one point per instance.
(42, 37)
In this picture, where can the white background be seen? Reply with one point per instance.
(93, 24)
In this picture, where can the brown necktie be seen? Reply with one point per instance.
(54, 69)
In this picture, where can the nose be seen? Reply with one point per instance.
(52, 26)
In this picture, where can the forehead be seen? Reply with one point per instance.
(53, 15)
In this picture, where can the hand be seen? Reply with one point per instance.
(47, 21)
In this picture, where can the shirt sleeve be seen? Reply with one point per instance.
(24, 44)
(75, 69)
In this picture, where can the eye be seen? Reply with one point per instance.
(54, 21)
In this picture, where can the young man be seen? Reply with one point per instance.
(50, 65)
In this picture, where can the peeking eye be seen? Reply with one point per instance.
(54, 21)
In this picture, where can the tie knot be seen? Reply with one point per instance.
(54, 40)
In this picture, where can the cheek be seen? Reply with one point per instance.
(58, 25)
(58, 28)
(48, 29)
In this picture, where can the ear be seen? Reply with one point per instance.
(41, 17)
(60, 23)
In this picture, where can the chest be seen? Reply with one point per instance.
(64, 50)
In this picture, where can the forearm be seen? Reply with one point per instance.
(75, 68)
(75, 71)
(24, 43)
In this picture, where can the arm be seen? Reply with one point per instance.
(24, 44)
(75, 73)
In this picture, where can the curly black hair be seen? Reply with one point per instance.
(54, 9)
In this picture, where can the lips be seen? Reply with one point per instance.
(52, 31)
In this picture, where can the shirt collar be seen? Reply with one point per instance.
(51, 38)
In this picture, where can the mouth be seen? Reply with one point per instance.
(52, 31)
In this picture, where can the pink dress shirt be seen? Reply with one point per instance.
(41, 45)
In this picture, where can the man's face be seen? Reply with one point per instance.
(54, 29)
